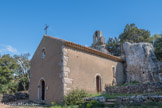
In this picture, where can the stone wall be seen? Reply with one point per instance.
(85, 67)
(65, 70)
(139, 99)
(16, 96)
(137, 88)
(47, 69)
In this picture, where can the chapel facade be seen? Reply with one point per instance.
(59, 66)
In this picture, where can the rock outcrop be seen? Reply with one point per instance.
(141, 62)
(160, 70)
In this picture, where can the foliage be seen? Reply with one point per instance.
(130, 83)
(64, 106)
(23, 70)
(23, 84)
(14, 73)
(75, 97)
(94, 95)
(113, 46)
(132, 34)
(93, 104)
(7, 68)
(157, 40)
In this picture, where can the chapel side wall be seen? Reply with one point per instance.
(85, 66)
(49, 69)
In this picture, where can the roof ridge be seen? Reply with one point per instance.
(87, 49)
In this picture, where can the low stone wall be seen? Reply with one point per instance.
(16, 96)
(139, 99)
(137, 88)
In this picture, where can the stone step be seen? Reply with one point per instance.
(109, 103)
(111, 100)
(102, 107)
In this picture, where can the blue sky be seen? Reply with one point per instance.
(22, 22)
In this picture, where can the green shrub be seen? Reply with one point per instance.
(130, 83)
(93, 104)
(75, 97)
(88, 105)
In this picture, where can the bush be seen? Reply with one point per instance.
(94, 104)
(75, 97)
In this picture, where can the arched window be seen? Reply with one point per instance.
(96, 36)
(98, 83)
(114, 72)
(114, 83)
(43, 53)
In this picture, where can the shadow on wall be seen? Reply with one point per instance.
(120, 74)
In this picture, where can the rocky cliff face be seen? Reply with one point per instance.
(141, 62)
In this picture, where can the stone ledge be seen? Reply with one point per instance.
(139, 99)
(136, 88)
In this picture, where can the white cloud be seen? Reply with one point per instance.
(2, 50)
(8, 49)
(11, 49)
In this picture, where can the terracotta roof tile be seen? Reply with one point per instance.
(88, 49)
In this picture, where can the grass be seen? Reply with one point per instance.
(130, 83)
(32, 107)
(64, 106)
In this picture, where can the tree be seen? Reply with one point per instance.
(133, 34)
(113, 46)
(8, 67)
(23, 69)
(155, 37)
(158, 46)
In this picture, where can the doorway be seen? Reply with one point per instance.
(98, 83)
(42, 90)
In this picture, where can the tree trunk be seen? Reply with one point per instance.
(24, 86)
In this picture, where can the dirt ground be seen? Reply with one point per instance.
(4, 106)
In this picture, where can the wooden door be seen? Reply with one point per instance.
(98, 84)
(43, 89)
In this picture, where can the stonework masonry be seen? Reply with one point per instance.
(66, 66)
(136, 88)
(65, 70)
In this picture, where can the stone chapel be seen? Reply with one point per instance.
(59, 66)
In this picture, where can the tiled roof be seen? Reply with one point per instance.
(88, 49)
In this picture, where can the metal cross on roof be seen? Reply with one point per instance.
(46, 29)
